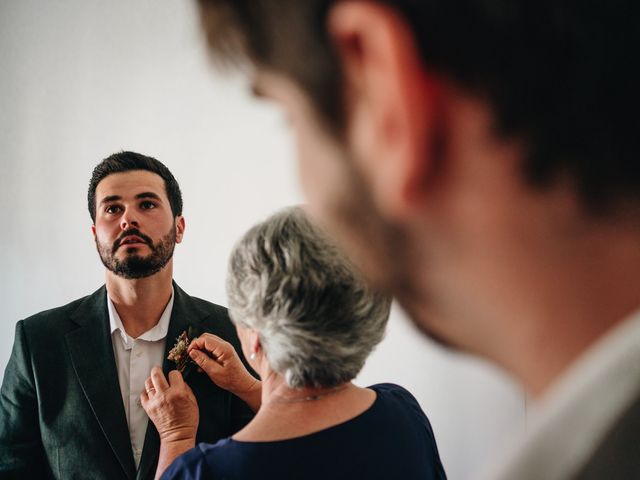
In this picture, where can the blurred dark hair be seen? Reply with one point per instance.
(560, 75)
(127, 161)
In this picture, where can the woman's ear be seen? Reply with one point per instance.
(393, 104)
(254, 343)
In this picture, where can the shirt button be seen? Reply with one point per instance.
(138, 402)
(138, 353)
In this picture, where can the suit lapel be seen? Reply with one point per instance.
(184, 317)
(93, 360)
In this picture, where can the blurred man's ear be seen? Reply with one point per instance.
(93, 230)
(393, 105)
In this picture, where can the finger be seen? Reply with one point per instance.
(211, 353)
(217, 349)
(144, 398)
(198, 343)
(208, 342)
(206, 363)
(149, 388)
(175, 378)
(158, 379)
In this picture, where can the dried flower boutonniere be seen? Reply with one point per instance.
(178, 353)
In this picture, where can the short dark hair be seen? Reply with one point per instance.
(560, 75)
(127, 161)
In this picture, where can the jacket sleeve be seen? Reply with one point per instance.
(21, 450)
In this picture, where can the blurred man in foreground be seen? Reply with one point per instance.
(479, 160)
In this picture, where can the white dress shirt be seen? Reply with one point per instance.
(134, 360)
(571, 420)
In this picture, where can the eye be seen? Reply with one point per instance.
(113, 209)
(147, 205)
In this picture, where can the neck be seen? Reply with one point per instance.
(531, 294)
(140, 302)
(595, 289)
(276, 393)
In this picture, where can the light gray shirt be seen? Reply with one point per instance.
(134, 359)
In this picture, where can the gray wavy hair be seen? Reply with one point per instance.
(317, 319)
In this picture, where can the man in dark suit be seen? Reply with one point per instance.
(480, 160)
(69, 404)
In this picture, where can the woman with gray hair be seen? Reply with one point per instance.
(306, 322)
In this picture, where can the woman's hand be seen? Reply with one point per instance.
(220, 361)
(171, 406)
(173, 409)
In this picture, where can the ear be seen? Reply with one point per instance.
(254, 341)
(93, 231)
(392, 103)
(180, 226)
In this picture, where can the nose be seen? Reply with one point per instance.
(128, 220)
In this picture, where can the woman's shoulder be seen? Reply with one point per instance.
(401, 417)
(391, 392)
(396, 403)
(390, 388)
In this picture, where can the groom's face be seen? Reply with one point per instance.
(135, 231)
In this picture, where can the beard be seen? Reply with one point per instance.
(135, 266)
(379, 247)
(374, 244)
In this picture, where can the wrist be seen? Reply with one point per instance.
(251, 395)
(183, 444)
(170, 449)
(248, 388)
(175, 437)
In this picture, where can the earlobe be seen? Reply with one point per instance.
(256, 346)
(392, 103)
(93, 231)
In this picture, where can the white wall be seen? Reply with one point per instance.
(82, 79)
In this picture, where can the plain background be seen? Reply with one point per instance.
(82, 79)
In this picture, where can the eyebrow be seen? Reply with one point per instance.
(148, 195)
(114, 198)
(110, 198)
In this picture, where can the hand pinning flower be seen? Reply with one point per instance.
(178, 353)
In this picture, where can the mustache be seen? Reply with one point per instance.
(130, 232)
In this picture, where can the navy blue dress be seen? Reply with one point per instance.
(392, 439)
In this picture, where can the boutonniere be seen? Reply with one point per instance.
(179, 353)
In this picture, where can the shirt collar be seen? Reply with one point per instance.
(157, 332)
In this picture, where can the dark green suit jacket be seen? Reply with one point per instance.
(61, 411)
